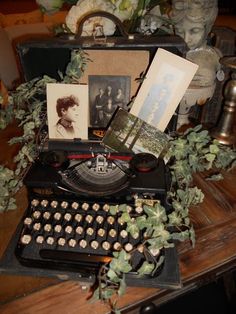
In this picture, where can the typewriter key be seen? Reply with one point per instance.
(85, 206)
(94, 244)
(129, 209)
(26, 238)
(75, 205)
(117, 246)
(155, 252)
(78, 217)
(110, 220)
(101, 232)
(79, 230)
(68, 229)
(28, 221)
(99, 219)
(47, 228)
(106, 207)
(50, 240)
(112, 233)
(90, 231)
(89, 218)
(36, 214)
(120, 221)
(139, 209)
(61, 241)
(64, 204)
(135, 235)
(83, 243)
(72, 242)
(34, 202)
(46, 215)
(123, 234)
(67, 216)
(96, 207)
(54, 204)
(106, 245)
(44, 203)
(39, 239)
(57, 216)
(128, 247)
(57, 228)
(37, 226)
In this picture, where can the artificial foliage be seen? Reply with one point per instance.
(190, 152)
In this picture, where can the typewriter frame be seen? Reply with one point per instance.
(169, 276)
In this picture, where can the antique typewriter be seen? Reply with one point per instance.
(70, 223)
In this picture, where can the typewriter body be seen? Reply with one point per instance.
(71, 186)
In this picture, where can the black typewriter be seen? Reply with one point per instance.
(70, 222)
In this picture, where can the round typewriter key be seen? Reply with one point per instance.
(46, 215)
(58, 228)
(61, 241)
(85, 206)
(135, 235)
(44, 203)
(140, 248)
(34, 202)
(83, 243)
(68, 229)
(96, 207)
(106, 245)
(64, 204)
(101, 232)
(47, 228)
(155, 252)
(128, 247)
(139, 209)
(79, 230)
(123, 234)
(117, 246)
(26, 238)
(28, 221)
(37, 226)
(89, 218)
(106, 207)
(99, 219)
(121, 221)
(72, 242)
(50, 240)
(36, 214)
(78, 217)
(54, 204)
(110, 220)
(94, 244)
(39, 239)
(112, 233)
(75, 205)
(90, 231)
(57, 216)
(67, 216)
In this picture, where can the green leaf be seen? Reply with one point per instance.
(146, 268)
(114, 209)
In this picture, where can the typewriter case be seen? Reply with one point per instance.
(53, 55)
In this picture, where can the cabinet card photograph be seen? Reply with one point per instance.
(128, 133)
(106, 93)
(164, 86)
(67, 111)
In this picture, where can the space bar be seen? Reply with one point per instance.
(73, 256)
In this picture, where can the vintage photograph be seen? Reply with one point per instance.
(128, 133)
(67, 111)
(166, 83)
(106, 94)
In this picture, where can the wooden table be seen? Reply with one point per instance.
(214, 255)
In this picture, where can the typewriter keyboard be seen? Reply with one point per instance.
(73, 234)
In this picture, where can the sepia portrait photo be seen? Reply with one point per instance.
(106, 94)
(67, 111)
(164, 86)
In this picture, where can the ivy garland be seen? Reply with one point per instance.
(191, 152)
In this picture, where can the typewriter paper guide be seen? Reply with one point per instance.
(163, 88)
